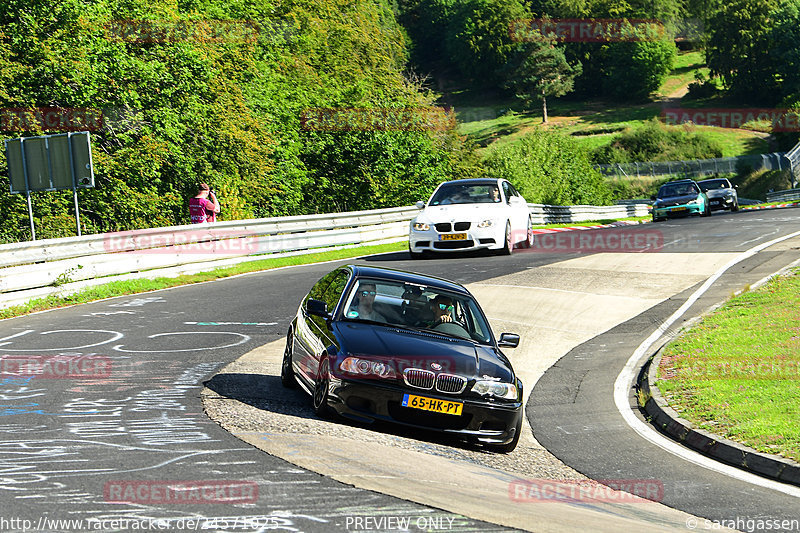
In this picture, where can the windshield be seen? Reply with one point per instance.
(466, 194)
(714, 184)
(677, 189)
(416, 307)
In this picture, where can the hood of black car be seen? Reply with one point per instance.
(403, 348)
(675, 200)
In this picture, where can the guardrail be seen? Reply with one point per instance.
(783, 196)
(38, 268)
(793, 156)
(560, 214)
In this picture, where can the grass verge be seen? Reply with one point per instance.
(737, 374)
(121, 288)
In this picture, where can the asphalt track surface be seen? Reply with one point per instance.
(71, 448)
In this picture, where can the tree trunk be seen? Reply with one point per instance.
(544, 108)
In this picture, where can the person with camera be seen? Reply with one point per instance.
(202, 209)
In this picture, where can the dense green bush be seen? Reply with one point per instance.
(229, 111)
(224, 111)
(549, 168)
(656, 142)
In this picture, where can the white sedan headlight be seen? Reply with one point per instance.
(486, 223)
(497, 389)
(421, 226)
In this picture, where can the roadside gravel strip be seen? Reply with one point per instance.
(554, 308)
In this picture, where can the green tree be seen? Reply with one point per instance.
(541, 70)
(477, 38)
(785, 53)
(549, 168)
(738, 49)
(227, 111)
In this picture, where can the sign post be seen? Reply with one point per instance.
(50, 163)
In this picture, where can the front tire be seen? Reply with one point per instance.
(735, 206)
(528, 242)
(508, 247)
(288, 378)
(321, 385)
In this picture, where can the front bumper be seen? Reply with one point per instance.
(721, 203)
(676, 211)
(474, 239)
(481, 421)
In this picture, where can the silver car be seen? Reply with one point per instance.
(721, 194)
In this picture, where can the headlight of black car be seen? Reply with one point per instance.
(366, 368)
(497, 389)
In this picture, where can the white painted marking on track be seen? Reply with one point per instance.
(20, 334)
(759, 237)
(115, 335)
(244, 339)
(626, 377)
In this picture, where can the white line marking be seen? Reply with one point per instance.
(625, 378)
(20, 334)
(243, 340)
(115, 336)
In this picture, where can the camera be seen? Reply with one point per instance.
(212, 191)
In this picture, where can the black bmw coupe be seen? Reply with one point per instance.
(374, 344)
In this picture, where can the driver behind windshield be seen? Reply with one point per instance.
(441, 307)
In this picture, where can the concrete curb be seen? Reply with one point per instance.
(669, 421)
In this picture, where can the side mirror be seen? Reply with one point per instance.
(735, 186)
(508, 340)
(317, 308)
(420, 205)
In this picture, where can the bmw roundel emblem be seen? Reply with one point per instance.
(436, 366)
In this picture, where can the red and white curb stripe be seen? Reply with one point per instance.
(777, 206)
(580, 228)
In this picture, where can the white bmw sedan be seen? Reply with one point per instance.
(471, 214)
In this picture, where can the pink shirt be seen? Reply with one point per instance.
(201, 210)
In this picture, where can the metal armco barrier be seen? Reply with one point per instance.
(35, 269)
(560, 214)
(783, 196)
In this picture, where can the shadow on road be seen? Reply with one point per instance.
(268, 394)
